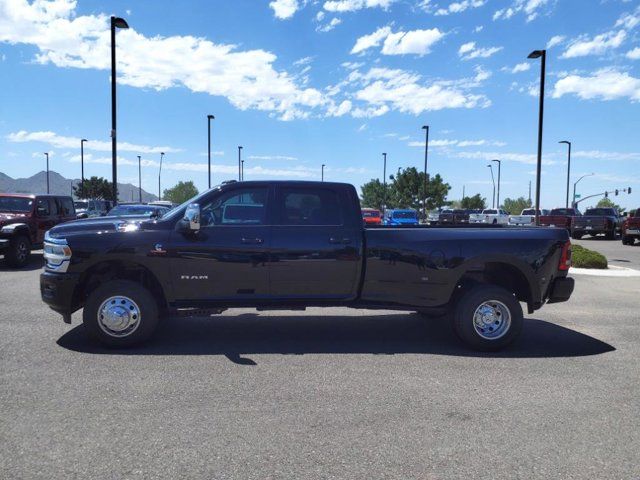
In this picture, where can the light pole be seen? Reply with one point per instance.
(384, 184)
(499, 169)
(322, 174)
(542, 54)
(139, 179)
(493, 203)
(82, 166)
(159, 174)
(573, 203)
(568, 170)
(242, 169)
(47, 154)
(116, 22)
(426, 179)
(209, 118)
(239, 162)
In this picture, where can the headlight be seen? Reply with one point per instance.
(57, 254)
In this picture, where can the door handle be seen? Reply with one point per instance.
(253, 241)
(336, 240)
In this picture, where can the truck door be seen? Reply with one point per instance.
(46, 216)
(315, 250)
(227, 258)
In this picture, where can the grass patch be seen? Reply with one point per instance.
(585, 258)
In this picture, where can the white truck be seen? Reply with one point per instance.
(527, 217)
(491, 216)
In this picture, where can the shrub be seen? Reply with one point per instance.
(585, 258)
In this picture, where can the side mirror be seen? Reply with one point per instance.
(191, 220)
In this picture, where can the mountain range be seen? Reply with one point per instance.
(60, 185)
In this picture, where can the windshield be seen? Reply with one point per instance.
(15, 204)
(404, 214)
(600, 212)
(528, 211)
(81, 204)
(490, 212)
(134, 210)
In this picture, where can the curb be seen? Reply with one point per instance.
(612, 271)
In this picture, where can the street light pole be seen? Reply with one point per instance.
(493, 202)
(239, 163)
(159, 174)
(82, 165)
(322, 174)
(568, 170)
(573, 203)
(384, 184)
(139, 179)
(499, 169)
(209, 118)
(47, 154)
(542, 54)
(426, 179)
(116, 22)
(242, 169)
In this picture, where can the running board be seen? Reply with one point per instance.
(198, 312)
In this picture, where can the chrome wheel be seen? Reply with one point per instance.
(119, 316)
(492, 320)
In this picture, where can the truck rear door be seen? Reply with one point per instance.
(315, 244)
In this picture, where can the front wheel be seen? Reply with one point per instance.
(488, 317)
(120, 313)
(627, 240)
(19, 251)
(576, 236)
(610, 235)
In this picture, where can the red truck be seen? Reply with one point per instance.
(560, 217)
(25, 218)
(631, 228)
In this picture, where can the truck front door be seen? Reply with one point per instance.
(227, 259)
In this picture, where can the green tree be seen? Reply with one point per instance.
(408, 190)
(373, 194)
(515, 207)
(181, 192)
(95, 188)
(474, 203)
(608, 203)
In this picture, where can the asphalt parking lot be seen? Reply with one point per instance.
(617, 254)
(334, 393)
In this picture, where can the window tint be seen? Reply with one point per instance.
(66, 206)
(42, 207)
(245, 206)
(304, 206)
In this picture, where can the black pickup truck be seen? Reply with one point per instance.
(289, 245)
(595, 221)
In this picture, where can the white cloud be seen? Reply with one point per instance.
(59, 141)
(340, 6)
(320, 16)
(469, 51)
(247, 79)
(520, 67)
(629, 20)
(416, 42)
(604, 84)
(284, 9)
(327, 27)
(460, 6)
(603, 155)
(525, 158)
(273, 157)
(530, 8)
(555, 40)
(340, 110)
(633, 54)
(478, 29)
(597, 45)
(457, 143)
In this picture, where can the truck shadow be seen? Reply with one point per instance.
(236, 337)
(36, 262)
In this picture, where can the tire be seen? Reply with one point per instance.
(495, 221)
(576, 236)
(19, 252)
(627, 240)
(115, 300)
(610, 235)
(473, 328)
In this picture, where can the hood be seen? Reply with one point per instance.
(97, 225)
(11, 217)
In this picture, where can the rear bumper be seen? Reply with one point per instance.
(561, 290)
(57, 291)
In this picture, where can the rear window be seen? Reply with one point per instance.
(528, 211)
(404, 214)
(305, 206)
(600, 212)
(15, 204)
(66, 206)
(562, 211)
(490, 212)
(371, 214)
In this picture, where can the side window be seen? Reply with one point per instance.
(42, 207)
(66, 206)
(243, 206)
(53, 206)
(306, 206)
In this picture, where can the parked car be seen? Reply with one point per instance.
(304, 245)
(527, 217)
(138, 210)
(596, 221)
(401, 217)
(491, 216)
(433, 217)
(560, 217)
(92, 208)
(25, 218)
(454, 217)
(631, 228)
(163, 203)
(371, 216)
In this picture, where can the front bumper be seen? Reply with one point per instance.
(561, 290)
(4, 244)
(57, 291)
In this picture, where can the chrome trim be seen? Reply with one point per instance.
(56, 253)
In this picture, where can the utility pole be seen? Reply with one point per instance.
(139, 179)
(209, 118)
(47, 154)
(542, 54)
(384, 184)
(239, 163)
(115, 23)
(426, 178)
(529, 192)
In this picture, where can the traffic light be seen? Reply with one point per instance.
(629, 190)
(616, 192)
(606, 194)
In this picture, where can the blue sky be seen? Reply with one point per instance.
(302, 83)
